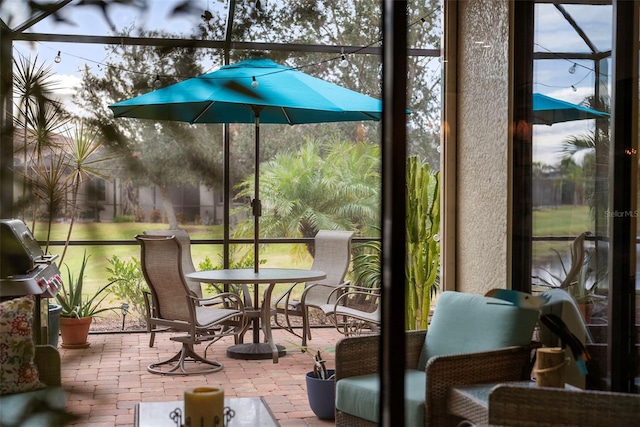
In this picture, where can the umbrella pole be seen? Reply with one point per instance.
(256, 204)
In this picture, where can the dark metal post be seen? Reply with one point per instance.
(622, 224)
(226, 180)
(522, 147)
(6, 123)
(394, 135)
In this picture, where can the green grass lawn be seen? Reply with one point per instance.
(561, 221)
(565, 220)
(96, 275)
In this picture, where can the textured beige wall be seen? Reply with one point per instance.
(483, 159)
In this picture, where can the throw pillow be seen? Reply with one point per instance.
(18, 372)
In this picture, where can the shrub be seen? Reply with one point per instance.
(124, 218)
(155, 216)
(130, 283)
(244, 260)
(140, 214)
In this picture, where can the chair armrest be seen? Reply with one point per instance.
(518, 406)
(342, 300)
(359, 355)
(226, 299)
(285, 296)
(241, 290)
(443, 372)
(47, 359)
(335, 290)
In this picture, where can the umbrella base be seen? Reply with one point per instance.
(254, 351)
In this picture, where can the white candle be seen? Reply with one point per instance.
(204, 407)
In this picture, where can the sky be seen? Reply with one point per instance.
(552, 77)
(88, 20)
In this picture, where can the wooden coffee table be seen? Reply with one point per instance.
(249, 412)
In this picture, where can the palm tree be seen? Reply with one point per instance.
(84, 162)
(590, 152)
(39, 116)
(333, 186)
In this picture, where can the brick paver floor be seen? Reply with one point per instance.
(105, 381)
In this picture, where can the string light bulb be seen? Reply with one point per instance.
(254, 82)
(157, 82)
(58, 58)
(572, 70)
(343, 60)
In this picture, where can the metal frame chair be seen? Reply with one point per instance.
(175, 306)
(333, 256)
(356, 311)
(187, 267)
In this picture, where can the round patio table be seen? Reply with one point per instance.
(269, 276)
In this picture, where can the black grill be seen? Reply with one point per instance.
(24, 268)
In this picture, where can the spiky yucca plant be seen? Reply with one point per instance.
(70, 295)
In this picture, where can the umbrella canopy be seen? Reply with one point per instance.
(252, 91)
(547, 111)
(235, 92)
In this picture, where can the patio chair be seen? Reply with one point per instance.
(176, 306)
(187, 262)
(333, 256)
(356, 311)
(187, 267)
(472, 339)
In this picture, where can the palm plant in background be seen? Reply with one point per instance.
(334, 186)
(84, 161)
(366, 264)
(39, 119)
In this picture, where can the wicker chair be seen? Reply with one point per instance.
(471, 339)
(175, 306)
(517, 406)
(332, 255)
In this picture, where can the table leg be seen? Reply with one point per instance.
(259, 350)
(256, 320)
(266, 322)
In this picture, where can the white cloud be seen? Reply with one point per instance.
(65, 84)
(65, 87)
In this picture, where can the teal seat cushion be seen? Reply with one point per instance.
(18, 409)
(360, 396)
(469, 323)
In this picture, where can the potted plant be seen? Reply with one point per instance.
(77, 310)
(578, 279)
(321, 387)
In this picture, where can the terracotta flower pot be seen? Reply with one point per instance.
(74, 331)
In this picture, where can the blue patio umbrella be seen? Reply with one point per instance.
(547, 111)
(252, 91)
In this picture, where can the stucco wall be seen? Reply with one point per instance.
(482, 165)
